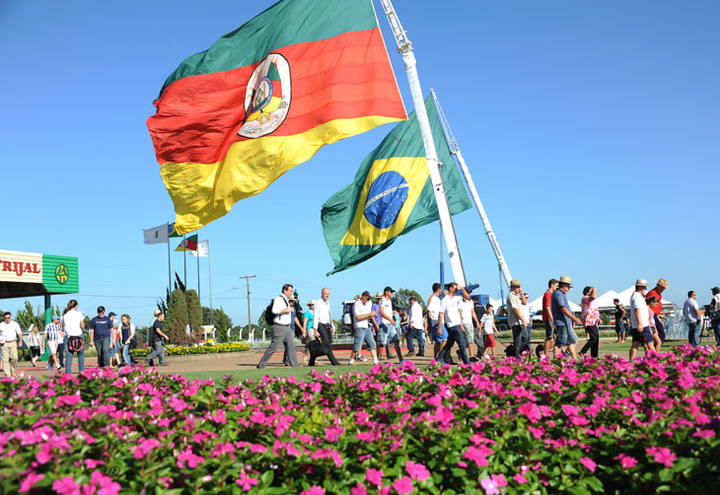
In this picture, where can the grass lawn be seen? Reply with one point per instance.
(284, 371)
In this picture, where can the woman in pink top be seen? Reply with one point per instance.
(591, 320)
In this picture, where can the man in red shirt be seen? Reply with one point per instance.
(661, 285)
(548, 317)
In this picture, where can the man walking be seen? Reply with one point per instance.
(100, 334)
(52, 338)
(691, 312)
(451, 316)
(661, 285)
(619, 320)
(283, 312)
(563, 317)
(387, 322)
(715, 315)
(516, 319)
(324, 326)
(362, 312)
(470, 322)
(157, 338)
(9, 334)
(415, 328)
(640, 320)
(437, 332)
(547, 316)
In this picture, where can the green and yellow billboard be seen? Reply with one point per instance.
(33, 274)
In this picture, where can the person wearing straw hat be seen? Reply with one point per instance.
(516, 318)
(661, 285)
(640, 321)
(563, 317)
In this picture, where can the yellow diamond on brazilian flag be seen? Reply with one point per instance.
(391, 195)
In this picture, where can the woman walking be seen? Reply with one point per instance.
(591, 319)
(34, 345)
(127, 333)
(74, 323)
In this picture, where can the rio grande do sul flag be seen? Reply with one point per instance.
(264, 98)
(392, 194)
(188, 244)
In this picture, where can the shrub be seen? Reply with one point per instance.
(186, 350)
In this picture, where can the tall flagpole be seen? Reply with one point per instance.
(169, 270)
(455, 150)
(405, 49)
(184, 263)
(212, 320)
(198, 273)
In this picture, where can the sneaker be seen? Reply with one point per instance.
(375, 361)
(360, 358)
(351, 362)
(260, 366)
(411, 353)
(391, 356)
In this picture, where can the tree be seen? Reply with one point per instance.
(26, 317)
(401, 299)
(194, 310)
(176, 319)
(222, 322)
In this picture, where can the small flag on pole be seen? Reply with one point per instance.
(171, 230)
(156, 235)
(203, 249)
(188, 244)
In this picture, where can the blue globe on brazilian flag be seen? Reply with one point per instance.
(391, 194)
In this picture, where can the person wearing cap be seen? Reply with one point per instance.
(451, 316)
(415, 328)
(310, 319)
(437, 332)
(470, 322)
(52, 338)
(715, 313)
(100, 336)
(661, 285)
(387, 322)
(362, 312)
(563, 317)
(640, 321)
(547, 317)
(692, 315)
(283, 311)
(324, 326)
(516, 318)
(157, 338)
(620, 314)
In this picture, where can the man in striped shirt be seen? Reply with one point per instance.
(53, 338)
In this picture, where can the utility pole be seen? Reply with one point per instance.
(247, 281)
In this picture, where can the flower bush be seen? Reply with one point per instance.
(186, 350)
(597, 426)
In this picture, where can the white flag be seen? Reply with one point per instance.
(203, 249)
(156, 235)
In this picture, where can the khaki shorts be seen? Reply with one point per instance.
(469, 332)
(52, 347)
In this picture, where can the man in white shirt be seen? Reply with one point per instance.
(324, 326)
(691, 312)
(387, 323)
(640, 320)
(516, 319)
(715, 315)
(282, 335)
(470, 321)
(415, 328)
(437, 332)
(362, 312)
(9, 334)
(451, 316)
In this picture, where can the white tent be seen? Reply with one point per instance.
(624, 297)
(536, 306)
(605, 301)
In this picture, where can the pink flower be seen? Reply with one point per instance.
(531, 411)
(66, 486)
(490, 486)
(106, 484)
(44, 454)
(187, 457)
(661, 455)
(704, 434)
(67, 400)
(478, 454)
(417, 471)
(246, 482)
(588, 463)
(403, 485)
(374, 476)
(626, 461)
(29, 481)
(520, 478)
(358, 489)
(315, 490)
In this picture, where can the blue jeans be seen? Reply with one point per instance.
(69, 359)
(660, 326)
(716, 328)
(455, 334)
(102, 345)
(158, 349)
(126, 354)
(694, 333)
(520, 339)
(363, 335)
(417, 334)
(384, 331)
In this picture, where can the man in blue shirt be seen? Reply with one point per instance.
(563, 319)
(100, 327)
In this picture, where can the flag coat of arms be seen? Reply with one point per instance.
(392, 194)
(264, 98)
(188, 244)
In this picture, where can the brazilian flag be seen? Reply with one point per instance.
(392, 194)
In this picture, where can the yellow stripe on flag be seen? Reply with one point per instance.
(415, 172)
(203, 192)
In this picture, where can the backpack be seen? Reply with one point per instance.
(269, 315)
(75, 344)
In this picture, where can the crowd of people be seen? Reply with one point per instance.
(454, 317)
(64, 339)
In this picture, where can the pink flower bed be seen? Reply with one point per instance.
(600, 426)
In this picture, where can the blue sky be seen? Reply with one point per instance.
(591, 129)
